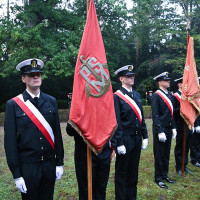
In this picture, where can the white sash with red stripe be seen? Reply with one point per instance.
(166, 100)
(36, 117)
(131, 103)
(178, 96)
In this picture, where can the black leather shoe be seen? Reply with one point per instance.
(197, 164)
(161, 184)
(179, 172)
(188, 171)
(169, 180)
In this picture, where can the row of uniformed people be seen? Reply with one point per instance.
(166, 117)
(131, 136)
(34, 146)
(35, 157)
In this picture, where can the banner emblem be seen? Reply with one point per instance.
(92, 67)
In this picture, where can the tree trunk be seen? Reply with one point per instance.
(8, 7)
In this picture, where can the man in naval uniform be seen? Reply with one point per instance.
(33, 141)
(178, 151)
(127, 140)
(149, 97)
(100, 167)
(163, 128)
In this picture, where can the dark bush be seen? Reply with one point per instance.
(62, 104)
(144, 102)
(2, 107)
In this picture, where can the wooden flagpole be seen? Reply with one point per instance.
(89, 152)
(89, 172)
(184, 132)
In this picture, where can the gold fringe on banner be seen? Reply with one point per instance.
(86, 141)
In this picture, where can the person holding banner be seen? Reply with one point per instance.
(33, 141)
(178, 151)
(127, 140)
(100, 167)
(163, 129)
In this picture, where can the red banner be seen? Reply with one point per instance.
(92, 111)
(190, 99)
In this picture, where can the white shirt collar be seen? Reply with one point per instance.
(127, 89)
(32, 95)
(166, 92)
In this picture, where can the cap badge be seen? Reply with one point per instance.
(34, 63)
(130, 68)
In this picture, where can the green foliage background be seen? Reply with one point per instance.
(151, 36)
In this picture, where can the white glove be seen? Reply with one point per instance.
(144, 143)
(59, 172)
(20, 184)
(197, 129)
(193, 129)
(174, 133)
(121, 149)
(162, 137)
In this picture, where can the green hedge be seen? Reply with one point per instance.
(147, 112)
(2, 118)
(63, 114)
(2, 107)
(62, 104)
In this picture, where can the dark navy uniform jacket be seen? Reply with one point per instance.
(162, 118)
(24, 143)
(197, 121)
(128, 122)
(177, 117)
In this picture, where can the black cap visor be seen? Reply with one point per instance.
(163, 79)
(29, 69)
(125, 73)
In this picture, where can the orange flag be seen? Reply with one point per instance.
(190, 99)
(92, 111)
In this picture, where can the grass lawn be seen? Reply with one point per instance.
(187, 188)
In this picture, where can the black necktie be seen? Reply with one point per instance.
(131, 94)
(36, 100)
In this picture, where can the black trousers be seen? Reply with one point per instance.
(178, 151)
(195, 148)
(126, 171)
(100, 174)
(161, 155)
(39, 179)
